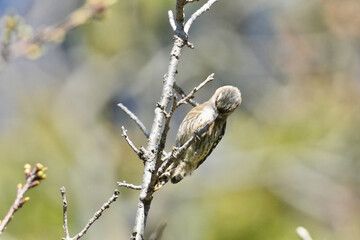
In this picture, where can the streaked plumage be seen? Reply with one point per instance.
(215, 111)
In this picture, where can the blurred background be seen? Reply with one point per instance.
(290, 156)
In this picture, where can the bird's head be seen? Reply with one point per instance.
(226, 99)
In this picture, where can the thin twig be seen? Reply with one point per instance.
(196, 89)
(172, 20)
(33, 178)
(96, 216)
(194, 16)
(135, 118)
(131, 144)
(129, 185)
(157, 234)
(65, 223)
(190, 1)
(183, 95)
(168, 116)
(303, 233)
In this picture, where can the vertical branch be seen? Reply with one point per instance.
(153, 153)
(65, 222)
(155, 147)
(180, 16)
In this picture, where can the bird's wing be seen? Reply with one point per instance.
(214, 145)
(200, 115)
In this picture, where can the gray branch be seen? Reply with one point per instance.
(154, 151)
(196, 89)
(96, 216)
(172, 20)
(194, 16)
(128, 185)
(155, 147)
(135, 118)
(182, 93)
(65, 223)
(131, 144)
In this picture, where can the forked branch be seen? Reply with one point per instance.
(132, 145)
(195, 90)
(155, 147)
(182, 93)
(195, 15)
(135, 119)
(96, 216)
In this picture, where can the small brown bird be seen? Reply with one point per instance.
(214, 111)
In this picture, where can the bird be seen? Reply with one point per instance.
(213, 113)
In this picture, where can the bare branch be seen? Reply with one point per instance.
(129, 185)
(303, 233)
(135, 118)
(180, 12)
(65, 223)
(194, 16)
(33, 178)
(96, 216)
(183, 95)
(155, 148)
(196, 89)
(172, 20)
(168, 116)
(132, 145)
(157, 234)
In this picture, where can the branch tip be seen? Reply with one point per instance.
(33, 176)
(195, 15)
(196, 89)
(138, 152)
(129, 185)
(92, 220)
(135, 119)
(172, 20)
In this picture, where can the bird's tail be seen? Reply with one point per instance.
(175, 172)
(162, 180)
